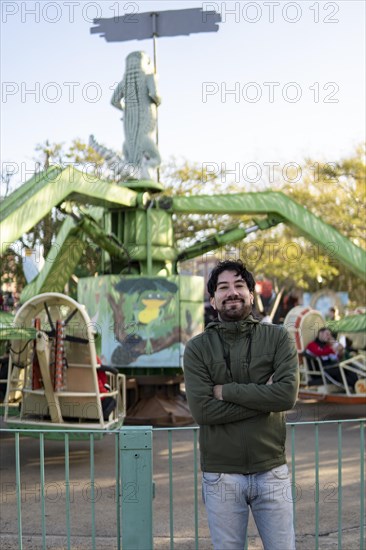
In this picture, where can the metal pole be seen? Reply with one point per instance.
(137, 487)
(155, 34)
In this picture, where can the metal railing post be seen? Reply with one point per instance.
(135, 455)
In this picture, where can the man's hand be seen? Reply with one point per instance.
(217, 391)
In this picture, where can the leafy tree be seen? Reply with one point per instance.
(333, 191)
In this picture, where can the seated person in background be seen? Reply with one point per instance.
(336, 346)
(330, 352)
(108, 402)
(332, 314)
(349, 350)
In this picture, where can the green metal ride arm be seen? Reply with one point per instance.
(68, 248)
(24, 208)
(292, 213)
(226, 237)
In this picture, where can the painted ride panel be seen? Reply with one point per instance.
(145, 323)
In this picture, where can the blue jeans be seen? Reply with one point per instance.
(228, 497)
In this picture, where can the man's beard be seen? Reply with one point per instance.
(234, 312)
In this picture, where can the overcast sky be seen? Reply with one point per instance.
(279, 81)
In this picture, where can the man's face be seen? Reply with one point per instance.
(232, 299)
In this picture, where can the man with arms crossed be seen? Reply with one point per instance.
(240, 377)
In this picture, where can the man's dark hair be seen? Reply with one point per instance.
(230, 265)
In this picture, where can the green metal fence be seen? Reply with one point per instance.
(124, 492)
(327, 486)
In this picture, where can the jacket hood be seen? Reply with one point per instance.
(244, 325)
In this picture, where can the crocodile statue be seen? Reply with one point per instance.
(137, 96)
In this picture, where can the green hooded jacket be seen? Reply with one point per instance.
(246, 431)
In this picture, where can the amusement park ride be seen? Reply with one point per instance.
(143, 309)
(303, 323)
(55, 381)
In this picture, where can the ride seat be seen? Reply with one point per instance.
(312, 371)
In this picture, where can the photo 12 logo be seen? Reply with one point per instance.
(54, 92)
(51, 92)
(53, 12)
(292, 252)
(271, 92)
(266, 172)
(272, 12)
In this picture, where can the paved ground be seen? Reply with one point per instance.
(183, 489)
